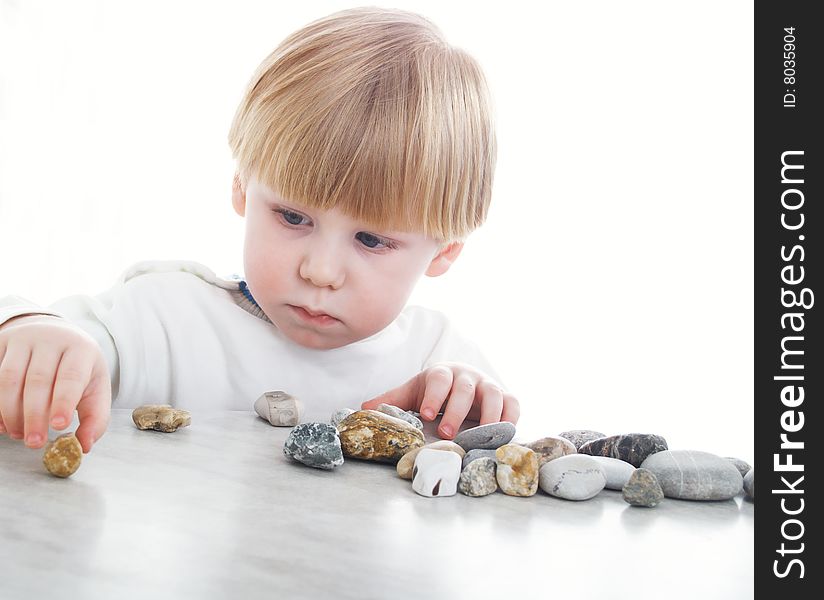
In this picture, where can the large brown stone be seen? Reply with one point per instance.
(62, 455)
(372, 435)
(160, 417)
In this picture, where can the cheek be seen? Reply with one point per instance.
(265, 260)
(386, 293)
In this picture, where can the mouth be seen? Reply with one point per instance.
(318, 318)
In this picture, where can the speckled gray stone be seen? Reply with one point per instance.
(572, 477)
(742, 465)
(394, 411)
(478, 478)
(749, 484)
(642, 489)
(314, 444)
(339, 415)
(617, 471)
(631, 447)
(489, 436)
(579, 437)
(694, 475)
(476, 454)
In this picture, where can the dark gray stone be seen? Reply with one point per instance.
(749, 484)
(487, 437)
(579, 437)
(633, 448)
(476, 454)
(694, 475)
(315, 445)
(642, 489)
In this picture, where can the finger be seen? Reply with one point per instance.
(37, 395)
(73, 375)
(404, 396)
(12, 377)
(460, 401)
(512, 409)
(437, 384)
(94, 408)
(491, 398)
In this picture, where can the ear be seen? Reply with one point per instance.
(444, 259)
(238, 196)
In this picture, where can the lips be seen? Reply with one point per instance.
(315, 313)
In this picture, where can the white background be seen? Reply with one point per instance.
(612, 284)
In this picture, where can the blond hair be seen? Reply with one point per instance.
(369, 110)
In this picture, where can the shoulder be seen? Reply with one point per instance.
(154, 271)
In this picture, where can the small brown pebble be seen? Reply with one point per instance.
(62, 455)
(160, 417)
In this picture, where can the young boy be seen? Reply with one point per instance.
(365, 154)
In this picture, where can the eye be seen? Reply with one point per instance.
(373, 242)
(292, 218)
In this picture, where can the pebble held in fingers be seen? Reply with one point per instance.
(486, 437)
(62, 455)
(160, 417)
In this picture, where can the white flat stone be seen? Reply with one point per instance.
(436, 473)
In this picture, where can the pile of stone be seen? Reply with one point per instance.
(573, 465)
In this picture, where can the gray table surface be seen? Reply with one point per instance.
(216, 510)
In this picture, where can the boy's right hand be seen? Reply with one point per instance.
(49, 367)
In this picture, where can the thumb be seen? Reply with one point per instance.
(404, 396)
(94, 408)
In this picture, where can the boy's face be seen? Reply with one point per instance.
(297, 258)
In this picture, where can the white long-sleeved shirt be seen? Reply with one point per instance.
(172, 332)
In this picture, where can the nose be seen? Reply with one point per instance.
(322, 266)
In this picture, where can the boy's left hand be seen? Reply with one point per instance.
(467, 392)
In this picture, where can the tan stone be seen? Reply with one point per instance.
(551, 447)
(279, 408)
(372, 435)
(160, 417)
(407, 461)
(62, 455)
(517, 470)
